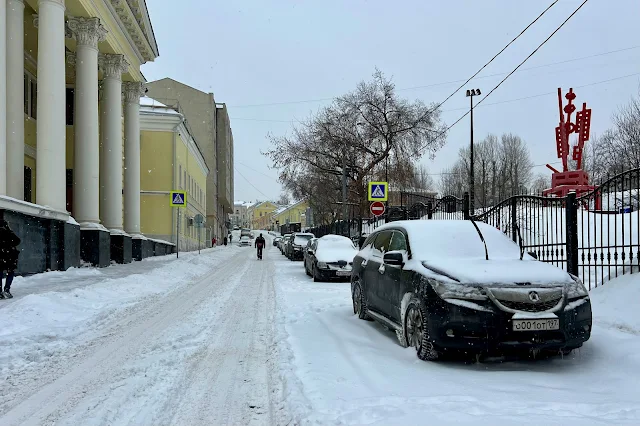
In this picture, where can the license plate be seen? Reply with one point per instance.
(536, 325)
(343, 273)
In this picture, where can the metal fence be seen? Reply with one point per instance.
(595, 236)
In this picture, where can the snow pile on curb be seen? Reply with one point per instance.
(43, 325)
(615, 304)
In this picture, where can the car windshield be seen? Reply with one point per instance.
(441, 239)
(301, 240)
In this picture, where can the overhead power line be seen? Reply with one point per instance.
(539, 95)
(249, 182)
(515, 69)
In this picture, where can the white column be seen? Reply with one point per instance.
(3, 98)
(111, 140)
(132, 93)
(15, 99)
(86, 177)
(50, 156)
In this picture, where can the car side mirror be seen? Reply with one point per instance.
(394, 258)
(310, 251)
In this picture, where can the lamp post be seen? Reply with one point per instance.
(470, 94)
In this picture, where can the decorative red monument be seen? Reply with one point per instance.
(570, 180)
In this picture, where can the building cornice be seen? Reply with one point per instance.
(159, 122)
(132, 27)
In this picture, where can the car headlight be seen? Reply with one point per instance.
(322, 265)
(458, 291)
(576, 289)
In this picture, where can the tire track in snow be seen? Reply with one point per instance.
(122, 343)
(229, 381)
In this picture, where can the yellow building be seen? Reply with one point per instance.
(261, 214)
(295, 213)
(171, 160)
(70, 71)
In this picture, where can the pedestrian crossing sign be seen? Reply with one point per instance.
(378, 191)
(179, 199)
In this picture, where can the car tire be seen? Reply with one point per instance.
(314, 274)
(359, 301)
(416, 330)
(306, 269)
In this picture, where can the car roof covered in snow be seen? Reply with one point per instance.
(454, 247)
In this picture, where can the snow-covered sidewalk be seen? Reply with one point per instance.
(186, 342)
(341, 370)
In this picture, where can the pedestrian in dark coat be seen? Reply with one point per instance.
(225, 241)
(9, 252)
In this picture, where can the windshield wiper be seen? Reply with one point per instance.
(520, 244)
(486, 252)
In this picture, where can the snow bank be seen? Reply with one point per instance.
(44, 324)
(615, 304)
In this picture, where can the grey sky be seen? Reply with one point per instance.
(274, 51)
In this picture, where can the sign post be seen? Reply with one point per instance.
(377, 208)
(178, 199)
(199, 221)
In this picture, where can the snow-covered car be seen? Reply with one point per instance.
(276, 240)
(244, 241)
(451, 286)
(296, 245)
(330, 257)
(283, 243)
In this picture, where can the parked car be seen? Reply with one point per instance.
(296, 244)
(276, 240)
(244, 241)
(451, 286)
(284, 242)
(330, 257)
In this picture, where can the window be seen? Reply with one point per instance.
(382, 243)
(398, 241)
(30, 96)
(70, 105)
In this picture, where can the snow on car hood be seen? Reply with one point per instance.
(500, 271)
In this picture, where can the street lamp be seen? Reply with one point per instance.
(470, 94)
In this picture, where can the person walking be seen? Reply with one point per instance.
(225, 241)
(260, 243)
(9, 252)
(230, 238)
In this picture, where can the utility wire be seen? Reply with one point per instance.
(595, 83)
(249, 182)
(514, 70)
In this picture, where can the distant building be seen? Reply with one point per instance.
(240, 216)
(212, 132)
(261, 214)
(295, 213)
(171, 160)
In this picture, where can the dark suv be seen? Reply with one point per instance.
(458, 286)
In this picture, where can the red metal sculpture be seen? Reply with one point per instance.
(570, 180)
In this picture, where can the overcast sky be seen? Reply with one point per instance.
(274, 61)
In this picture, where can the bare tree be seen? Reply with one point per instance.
(367, 132)
(540, 183)
(283, 200)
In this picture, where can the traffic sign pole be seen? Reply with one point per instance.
(178, 234)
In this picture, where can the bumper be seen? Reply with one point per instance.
(481, 331)
(333, 274)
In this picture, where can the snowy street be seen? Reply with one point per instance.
(221, 338)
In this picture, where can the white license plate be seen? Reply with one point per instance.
(343, 273)
(536, 325)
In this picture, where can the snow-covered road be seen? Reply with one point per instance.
(224, 339)
(197, 354)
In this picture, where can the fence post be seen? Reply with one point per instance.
(429, 211)
(514, 219)
(465, 206)
(571, 230)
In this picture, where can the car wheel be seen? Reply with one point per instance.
(359, 301)
(416, 331)
(306, 269)
(316, 276)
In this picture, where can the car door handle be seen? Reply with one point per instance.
(381, 269)
(364, 263)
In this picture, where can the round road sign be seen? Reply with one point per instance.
(377, 208)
